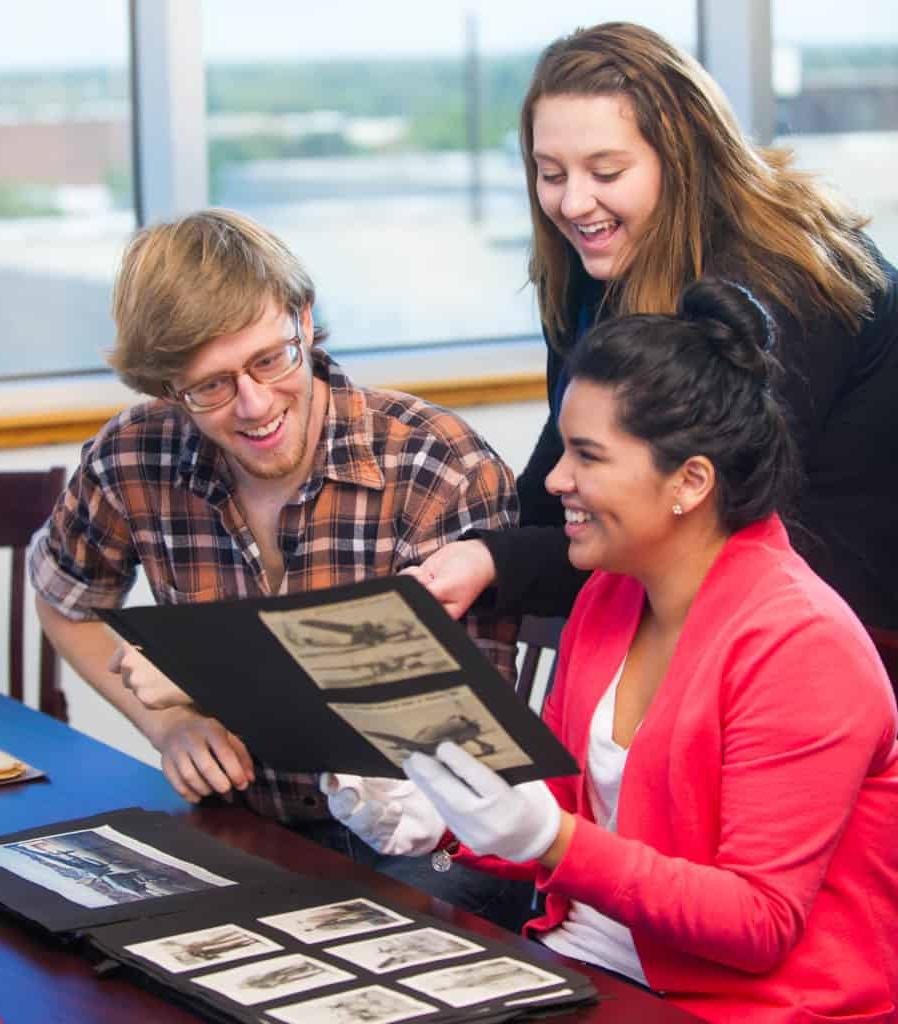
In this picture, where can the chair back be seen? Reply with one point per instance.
(538, 635)
(26, 499)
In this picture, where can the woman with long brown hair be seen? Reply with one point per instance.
(640, 181)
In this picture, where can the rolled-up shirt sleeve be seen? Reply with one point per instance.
(83, 557)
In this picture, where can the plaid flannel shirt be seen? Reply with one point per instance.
(394, 478)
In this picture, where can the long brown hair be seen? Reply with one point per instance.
(724, 203)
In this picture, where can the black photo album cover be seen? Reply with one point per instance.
(236, 938)
(350, 679)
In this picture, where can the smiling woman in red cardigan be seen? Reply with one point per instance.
(732, 841)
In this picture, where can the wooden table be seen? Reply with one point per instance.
(42, 983)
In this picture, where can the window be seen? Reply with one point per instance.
(836, 85)
(65, 181)
(380, 141)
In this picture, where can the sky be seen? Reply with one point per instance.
(56, 33)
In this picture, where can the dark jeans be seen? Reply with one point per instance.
(506, 903)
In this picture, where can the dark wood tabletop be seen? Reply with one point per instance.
(42, 982)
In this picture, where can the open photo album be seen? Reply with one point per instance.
(350, 679)
(238, 939)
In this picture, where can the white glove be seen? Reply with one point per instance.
(517, 823)
(390, 815)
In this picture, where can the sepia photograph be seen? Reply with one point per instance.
(272, 979)
(422, 722)
(371, 1005)
(481, 981)
(335, 920)
(407, 949)
(365, 642)
(102, 867)
(189, 950)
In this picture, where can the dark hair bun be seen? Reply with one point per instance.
(733, 322)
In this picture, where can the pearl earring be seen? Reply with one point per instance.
(677, 509)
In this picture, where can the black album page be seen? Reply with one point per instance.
(238, 938)
(350, 679)
(333, 955)
(119, 866)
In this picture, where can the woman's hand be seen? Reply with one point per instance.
(139, 675)
(456, 574)
(489, 816)
(392, 816)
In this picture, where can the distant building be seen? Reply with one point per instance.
(58, 148)
(828, 90)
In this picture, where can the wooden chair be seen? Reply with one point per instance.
(538, 635)
(886, 641)
(26, 500)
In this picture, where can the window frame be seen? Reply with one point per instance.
(170, 173)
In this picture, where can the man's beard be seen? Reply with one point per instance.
(285, 464)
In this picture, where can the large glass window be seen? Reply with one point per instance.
(380, 141)
(65, 181)
(836, 82)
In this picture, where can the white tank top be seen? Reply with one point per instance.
(585, 934)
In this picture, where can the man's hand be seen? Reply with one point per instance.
(518, 823)
(139, 675)
(456, 574)
(200, 756)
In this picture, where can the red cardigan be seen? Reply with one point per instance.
(756, 857)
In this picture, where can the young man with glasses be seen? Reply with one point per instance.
(257, 469)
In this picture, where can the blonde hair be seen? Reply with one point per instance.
(183, 283)
(725, 205)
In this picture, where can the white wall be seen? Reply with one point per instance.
(511, 429)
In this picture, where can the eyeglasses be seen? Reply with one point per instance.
(267, 367)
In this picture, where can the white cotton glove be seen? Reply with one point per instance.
(517, 823)
(390, 815)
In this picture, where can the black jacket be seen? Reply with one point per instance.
(841, 392)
